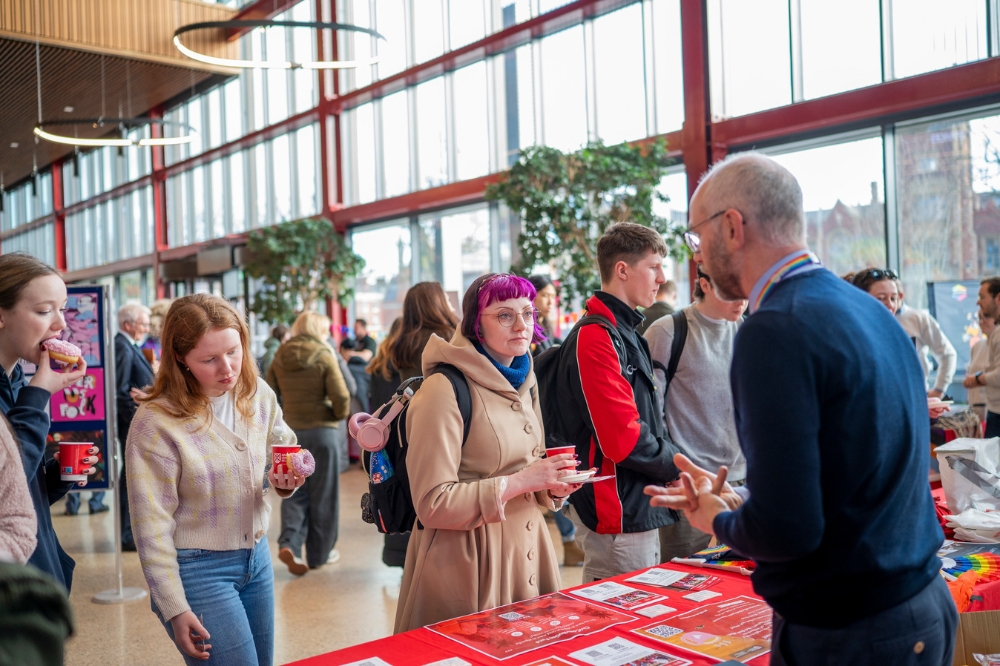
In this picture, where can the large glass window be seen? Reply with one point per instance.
(748, 55)
(306, 162)
(948, 201)
(364, 118)
(428, 29)
(432, 136)
(455, 249)
(472, 135)
(564, 90)
(827, 66)
(390, 21)
(519, 97)
(620, 75)
(282, 175)
(468, 22)
(380, 289)
(396, 143)
(668, 65)
(843, 190)
(929, 34)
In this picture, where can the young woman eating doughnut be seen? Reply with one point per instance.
(199, 465)
(32, 298)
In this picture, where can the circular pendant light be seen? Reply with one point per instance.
(273, 64)
(125, 124)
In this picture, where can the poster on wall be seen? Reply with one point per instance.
(80, 412)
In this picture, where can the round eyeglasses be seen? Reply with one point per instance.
(506, 318)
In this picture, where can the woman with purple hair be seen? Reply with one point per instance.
(480, 540)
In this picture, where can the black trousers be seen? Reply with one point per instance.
(311, 516)
(919, 631)
(125, 517)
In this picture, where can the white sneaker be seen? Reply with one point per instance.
(334, 556)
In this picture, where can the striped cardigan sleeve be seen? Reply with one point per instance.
(153, 476)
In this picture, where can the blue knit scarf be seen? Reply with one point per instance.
(518, 370)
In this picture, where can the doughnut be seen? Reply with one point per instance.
(301, 463)
(62, 351)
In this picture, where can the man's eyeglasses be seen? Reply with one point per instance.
(692, 239)
(508, 317)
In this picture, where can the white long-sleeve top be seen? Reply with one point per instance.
(978, 362)
(928, 336)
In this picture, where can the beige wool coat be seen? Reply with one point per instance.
(473, 553)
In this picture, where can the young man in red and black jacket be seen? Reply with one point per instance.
(607, 400)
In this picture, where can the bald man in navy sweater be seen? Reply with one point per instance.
(831, 414)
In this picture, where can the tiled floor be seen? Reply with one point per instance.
(342, 604)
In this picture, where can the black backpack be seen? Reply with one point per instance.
(389, 505)
(547, 376)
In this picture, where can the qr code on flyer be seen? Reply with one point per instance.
(663, 631)
(513, 617)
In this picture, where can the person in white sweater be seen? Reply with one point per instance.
(199, 461)
(928, 337)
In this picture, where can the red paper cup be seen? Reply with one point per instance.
(560, 450)
(71, 455)
(279, 456)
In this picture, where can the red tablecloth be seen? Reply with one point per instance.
(423, 646)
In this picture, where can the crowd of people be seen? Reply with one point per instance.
(784, 413)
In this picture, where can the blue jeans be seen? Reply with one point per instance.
(95, 502)
(232, 591)
(567, 530)
(918, 631)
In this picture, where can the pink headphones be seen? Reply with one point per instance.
(372, 431)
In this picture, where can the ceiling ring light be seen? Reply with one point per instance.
(123, 123)
(273, 64)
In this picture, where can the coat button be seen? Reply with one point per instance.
(531, 554)
(516, 406)
(919, 647)
(536, 453)
(241, 446)
(529, 526)
(528, 429)
(531, 581)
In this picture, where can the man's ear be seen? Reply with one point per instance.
(621, 271)
(733, 228)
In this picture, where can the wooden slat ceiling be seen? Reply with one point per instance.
(73, 35)
(73, 78)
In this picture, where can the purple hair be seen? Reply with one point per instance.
(489, 289)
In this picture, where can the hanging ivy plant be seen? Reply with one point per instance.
(300, 264)
(567, 200)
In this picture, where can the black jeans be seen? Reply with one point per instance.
(992, 425)
(311, 516)
(918, 631)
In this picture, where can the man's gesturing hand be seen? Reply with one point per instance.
(674, 496)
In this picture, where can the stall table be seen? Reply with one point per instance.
(424, 646)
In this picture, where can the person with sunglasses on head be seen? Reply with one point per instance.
(879, 283)
(831, 413)
(480, 539)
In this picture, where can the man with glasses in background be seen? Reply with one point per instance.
(831, 414)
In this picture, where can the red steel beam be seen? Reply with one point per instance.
(260, 10)
(184, 251)
(916, 95)
(160, 220)
(694, 51)
(550, 22)
(60, 214)
(414, 203)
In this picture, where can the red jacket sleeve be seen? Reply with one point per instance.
(619, 431)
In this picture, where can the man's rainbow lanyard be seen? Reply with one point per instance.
(795, 265)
